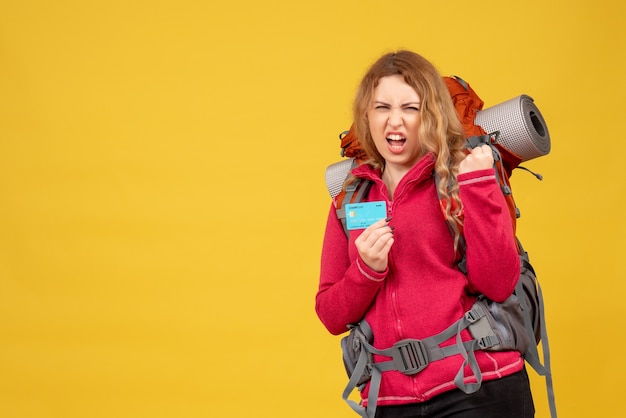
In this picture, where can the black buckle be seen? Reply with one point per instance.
(410, 356)
(474, 314)
(488, 341)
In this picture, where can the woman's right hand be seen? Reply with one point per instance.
(374, 245)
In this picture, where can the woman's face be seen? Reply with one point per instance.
(394, 119)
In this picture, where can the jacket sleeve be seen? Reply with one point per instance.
(347, 286)
(493, 264)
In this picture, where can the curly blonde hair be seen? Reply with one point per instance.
(440, 130)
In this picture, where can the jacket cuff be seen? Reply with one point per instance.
(369, 273)
(476, 176)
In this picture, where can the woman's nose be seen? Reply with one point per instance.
(395, 118)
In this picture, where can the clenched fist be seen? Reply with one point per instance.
(479, 158)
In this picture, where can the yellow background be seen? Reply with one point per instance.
(163, 201)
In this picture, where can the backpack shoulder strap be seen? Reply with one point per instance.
(501, 174)
(336, 175)
(354, 193)
(454, 227)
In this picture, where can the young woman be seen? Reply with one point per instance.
(401, 273)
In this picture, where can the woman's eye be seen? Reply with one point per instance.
(413, 108)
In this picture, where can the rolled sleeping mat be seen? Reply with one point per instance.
(522, 128)
(522, 131)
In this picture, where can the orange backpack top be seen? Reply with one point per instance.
(467, 104)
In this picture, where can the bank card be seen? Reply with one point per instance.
(361, 215)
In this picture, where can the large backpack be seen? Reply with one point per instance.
(515, 324)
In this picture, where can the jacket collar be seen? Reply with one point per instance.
(421, 170)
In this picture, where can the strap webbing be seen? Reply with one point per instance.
(432, 352)
(532, 354)
(546, 356)
(355, 193)
(359, 369)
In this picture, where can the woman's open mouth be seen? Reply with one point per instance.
(396, 143)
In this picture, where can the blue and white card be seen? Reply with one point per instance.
(361, 215)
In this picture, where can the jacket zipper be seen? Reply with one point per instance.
(393, 287)
(394, 292)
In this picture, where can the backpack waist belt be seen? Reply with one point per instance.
(411, 356)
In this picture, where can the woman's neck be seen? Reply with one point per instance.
(392, 176)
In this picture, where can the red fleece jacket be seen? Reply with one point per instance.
(422, 292)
